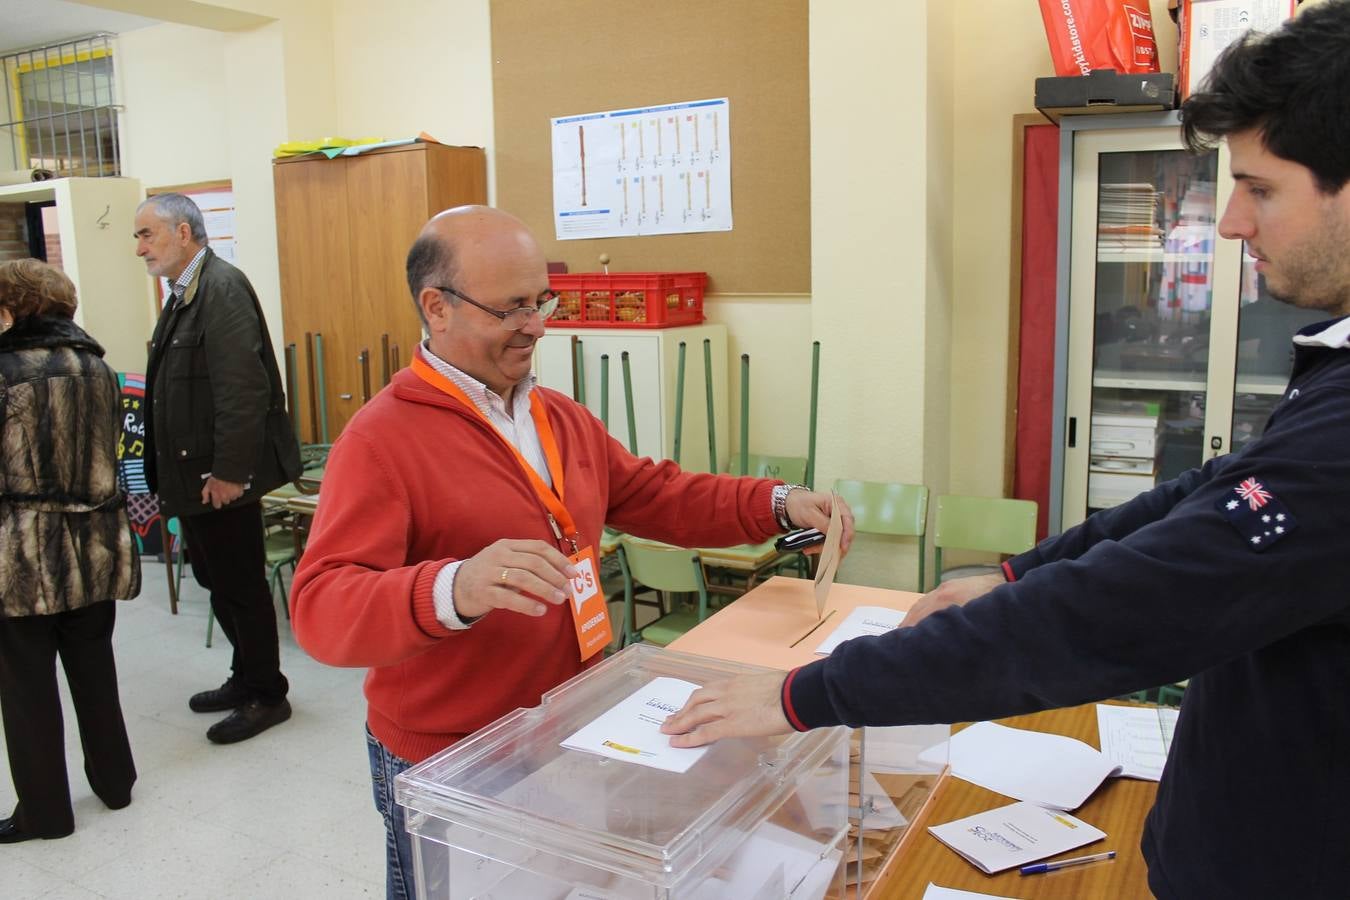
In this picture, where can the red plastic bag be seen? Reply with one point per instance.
(1100, 34)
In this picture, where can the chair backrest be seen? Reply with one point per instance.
(881, 507)
(884, 507)
(791, 469)
(663, 567)
(992, 524)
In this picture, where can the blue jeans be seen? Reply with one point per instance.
(398, 846)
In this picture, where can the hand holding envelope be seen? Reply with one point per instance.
(831, 551)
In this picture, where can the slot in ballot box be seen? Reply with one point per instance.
(508, 813)
(895, 773)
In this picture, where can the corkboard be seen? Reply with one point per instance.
(556, 58)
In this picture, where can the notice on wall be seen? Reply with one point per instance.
(655, 170)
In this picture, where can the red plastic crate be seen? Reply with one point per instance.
(628, 299)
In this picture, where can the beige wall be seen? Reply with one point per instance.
(434, 76)
(776, 332)
(172, 85)
(872, 235)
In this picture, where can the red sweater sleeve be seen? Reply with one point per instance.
(690, 509)
(354, 601)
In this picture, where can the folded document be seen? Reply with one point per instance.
(1014, 836)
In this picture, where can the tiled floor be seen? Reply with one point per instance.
(287, 814)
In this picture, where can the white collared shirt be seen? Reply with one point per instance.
(1335, 336)
(517, 426)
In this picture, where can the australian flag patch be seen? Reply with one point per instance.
(1256, 514)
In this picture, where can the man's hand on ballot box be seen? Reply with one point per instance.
(744, 706)
(957, 592)
(519, 576)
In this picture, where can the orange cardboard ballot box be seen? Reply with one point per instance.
(889, 785)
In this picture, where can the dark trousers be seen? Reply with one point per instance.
(34, 729)
(226, 547)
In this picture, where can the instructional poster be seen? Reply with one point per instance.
(655, 170)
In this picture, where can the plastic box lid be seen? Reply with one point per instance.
(512, 780)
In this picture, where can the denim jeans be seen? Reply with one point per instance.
(398, 846)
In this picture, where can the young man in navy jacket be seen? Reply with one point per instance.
(1233, 575)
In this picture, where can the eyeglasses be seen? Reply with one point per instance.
(513, 319)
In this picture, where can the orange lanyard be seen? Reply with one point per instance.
(564, 528)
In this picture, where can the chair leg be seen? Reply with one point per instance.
(166, 542)
(210, 625)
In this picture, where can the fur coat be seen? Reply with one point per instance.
(65, 541)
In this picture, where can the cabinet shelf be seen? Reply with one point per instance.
(1145, 380)
(1151, 255)
(1269, 385)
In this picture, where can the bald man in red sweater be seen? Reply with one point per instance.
(456, 501)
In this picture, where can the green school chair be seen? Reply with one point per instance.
(990, 524)
(892, 508)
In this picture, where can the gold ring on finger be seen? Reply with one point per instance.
(504, 574)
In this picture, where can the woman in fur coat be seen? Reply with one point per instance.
(66, 551)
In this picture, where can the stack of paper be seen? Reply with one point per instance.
(1014, 835)
(1047, 769)
(1127, 218)
(1136, 739)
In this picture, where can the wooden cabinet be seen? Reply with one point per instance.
(344, 227)
(653, 356)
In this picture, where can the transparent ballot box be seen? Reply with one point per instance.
(895, 772)
(509, 814)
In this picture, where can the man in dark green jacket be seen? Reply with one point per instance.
(217, 439)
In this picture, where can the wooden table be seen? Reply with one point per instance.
(1118, 807)
(759, 628)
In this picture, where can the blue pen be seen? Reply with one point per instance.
(1037, 868)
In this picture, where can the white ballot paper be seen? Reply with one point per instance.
(829, 556)
(1047, 769)
(862, 621)
(1136, 738)
(1014, 836)
(941, 893)
(631, 730)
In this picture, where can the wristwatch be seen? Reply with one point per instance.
(780, 495)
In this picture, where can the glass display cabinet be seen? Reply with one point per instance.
(1169, 350)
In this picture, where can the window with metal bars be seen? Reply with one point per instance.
(59, 113)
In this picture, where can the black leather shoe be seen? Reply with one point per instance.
(10, 833)
(227, 696)
(253, 718)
